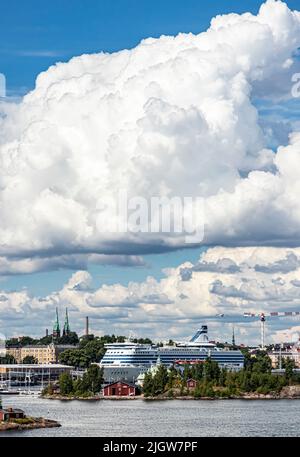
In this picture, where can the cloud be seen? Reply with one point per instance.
(17, 266)
(174, 116)
(221, 266)
(287, 335)
(170, 307)
(290, 263)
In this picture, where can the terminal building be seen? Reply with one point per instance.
(16, 374)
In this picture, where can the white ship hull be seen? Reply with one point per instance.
(129, 373)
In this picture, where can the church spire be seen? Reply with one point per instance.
(66, 330)
(56, 327)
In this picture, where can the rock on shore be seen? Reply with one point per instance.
(290, 392)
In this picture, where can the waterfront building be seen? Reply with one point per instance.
(42, 353)
(119, 389)
(152, 370)
(32, 373)
(191, 383)
(292, 354)
(11, 413)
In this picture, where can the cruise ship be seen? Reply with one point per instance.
(127, 360)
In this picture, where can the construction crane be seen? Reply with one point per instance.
(262, 317)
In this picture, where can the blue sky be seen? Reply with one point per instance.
(35, 35)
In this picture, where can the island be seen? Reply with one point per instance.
(16, 419)
(204, 380)
(208, 381)
(87, 388)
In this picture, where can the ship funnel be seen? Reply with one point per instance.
(200, 335)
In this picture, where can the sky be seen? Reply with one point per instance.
(182, 116)
(33, 37)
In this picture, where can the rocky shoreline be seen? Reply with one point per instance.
(30, 423)
(287, 393)
(70, 398)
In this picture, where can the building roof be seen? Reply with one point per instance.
(45, 346)
(32, 346)
(129, 384)
(34, 365)
(12, 410)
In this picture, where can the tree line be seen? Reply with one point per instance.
(24, 341)
(213, 381)
(90, 384)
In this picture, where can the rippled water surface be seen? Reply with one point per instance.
(163, 418)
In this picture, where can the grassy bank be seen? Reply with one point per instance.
(28, 423)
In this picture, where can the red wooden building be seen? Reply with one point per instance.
(119, 389)
(11, 413)
(191, 383)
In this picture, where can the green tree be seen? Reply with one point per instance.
(48, 390)
(45, 340)
(8, 359)
(30, 359)
(211, 370)
(12, 342)
(78, 387)
(142, 341)
(261, 363)
(75, 357)
(245, 381)
(222, 378)
(93, 379)
(172, 375)
(160, 380)
(197, 371)
(289, 365)
(148, 385)
(65, 384)
(27, 341)
(186, 373)
(72, 339)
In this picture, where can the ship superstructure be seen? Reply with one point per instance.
(127, 360)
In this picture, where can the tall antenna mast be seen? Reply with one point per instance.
(262, 331)
(233, 338)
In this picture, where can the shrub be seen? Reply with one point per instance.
(23, 421)
(170, 393)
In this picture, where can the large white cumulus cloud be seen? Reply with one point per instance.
(172, 117)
